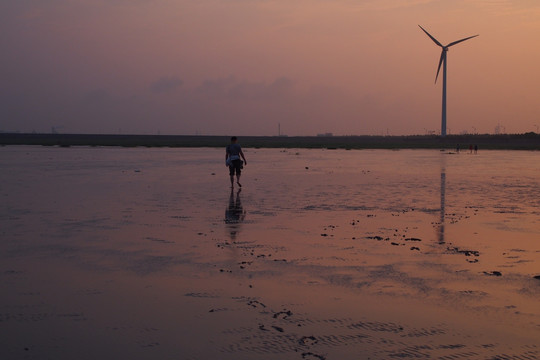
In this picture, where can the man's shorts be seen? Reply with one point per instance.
(235, 167)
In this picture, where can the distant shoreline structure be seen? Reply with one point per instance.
(526, 141)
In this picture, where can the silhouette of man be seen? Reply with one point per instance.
(233, 152)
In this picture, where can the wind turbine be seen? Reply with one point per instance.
(442, 62)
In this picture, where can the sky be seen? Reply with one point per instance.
(256, 67)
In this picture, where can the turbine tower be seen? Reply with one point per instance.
(442, 62)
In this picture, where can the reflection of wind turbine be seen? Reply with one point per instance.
(442, 61)
(443, 200)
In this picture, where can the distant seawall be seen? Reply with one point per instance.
(527, 141)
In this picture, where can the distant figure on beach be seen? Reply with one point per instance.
(233, 151)
(457, 148)
(476, 149)
(470, 148)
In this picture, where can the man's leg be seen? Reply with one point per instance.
(231, 175)
(238, 171)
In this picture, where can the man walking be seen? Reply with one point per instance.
(233, 152)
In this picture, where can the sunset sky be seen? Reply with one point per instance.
(223, 67)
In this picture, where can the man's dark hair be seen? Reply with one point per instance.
(233, 138)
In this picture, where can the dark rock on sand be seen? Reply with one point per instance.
(284, 314)
(308, 340)
(256, 303)
(465, 252)
(280, 329)
(310, 355)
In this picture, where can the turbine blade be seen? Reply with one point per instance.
(432, 38)
(457, 42)
(443, 54)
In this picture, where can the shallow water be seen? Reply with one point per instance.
(324, 254)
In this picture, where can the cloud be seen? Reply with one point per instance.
(166, 85)
(232, 89)
(393, 4)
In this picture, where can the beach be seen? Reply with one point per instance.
(147, 253)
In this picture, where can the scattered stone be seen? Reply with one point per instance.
(255, 303)
(285, 314)
(280, 329)
(415, 248)
(310, 355)
(308, 340)
(493, 273)
(537, 277)
(413, 239)
(452, 346)
(465, 252)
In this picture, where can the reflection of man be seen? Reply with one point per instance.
(234, 214)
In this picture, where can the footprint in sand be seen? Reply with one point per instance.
(308, 340)
(312, 356)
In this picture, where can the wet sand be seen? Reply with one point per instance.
(324, 254)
